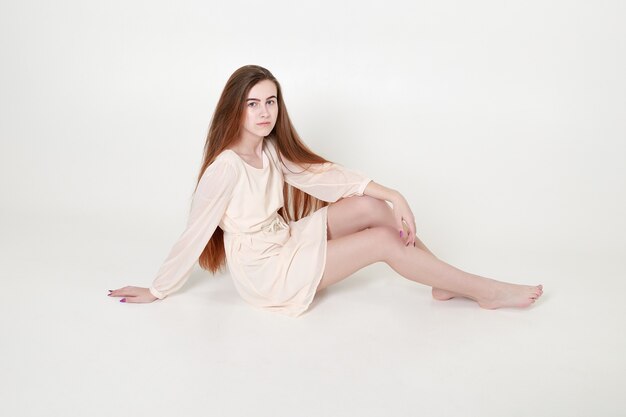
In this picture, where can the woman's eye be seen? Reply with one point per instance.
(270, 102)
(251, 104)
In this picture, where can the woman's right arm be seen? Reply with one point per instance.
(208, 206)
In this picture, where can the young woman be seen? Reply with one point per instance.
(262, 205)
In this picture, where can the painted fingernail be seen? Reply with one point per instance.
(123, 300)
(400, 233)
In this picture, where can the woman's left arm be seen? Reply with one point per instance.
(401, 210)
(330, 182)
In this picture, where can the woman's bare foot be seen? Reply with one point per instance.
(510, 295)
(503, 295)
(443, 295)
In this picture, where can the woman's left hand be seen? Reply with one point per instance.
(403, 214)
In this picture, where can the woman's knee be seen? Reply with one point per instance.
(377, 212)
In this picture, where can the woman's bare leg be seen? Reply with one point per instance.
(351, 215)
(349, 252)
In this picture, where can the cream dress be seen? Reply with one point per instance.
(275, 265)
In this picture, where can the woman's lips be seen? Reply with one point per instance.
(264, 124)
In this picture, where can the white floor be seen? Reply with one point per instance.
(374, 344)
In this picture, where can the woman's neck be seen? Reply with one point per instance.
(249, 146)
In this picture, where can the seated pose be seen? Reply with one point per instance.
(289, 223)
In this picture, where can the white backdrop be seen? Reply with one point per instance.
(503, 123)
(498, 121)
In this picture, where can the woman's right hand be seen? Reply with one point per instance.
(133, 295)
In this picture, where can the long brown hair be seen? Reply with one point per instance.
(225, 128)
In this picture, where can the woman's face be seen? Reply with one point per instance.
(261, 109)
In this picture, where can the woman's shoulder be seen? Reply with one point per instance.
(227, 156)
(226, 160)
(224, 166)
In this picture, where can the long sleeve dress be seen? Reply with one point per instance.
(275, 265)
